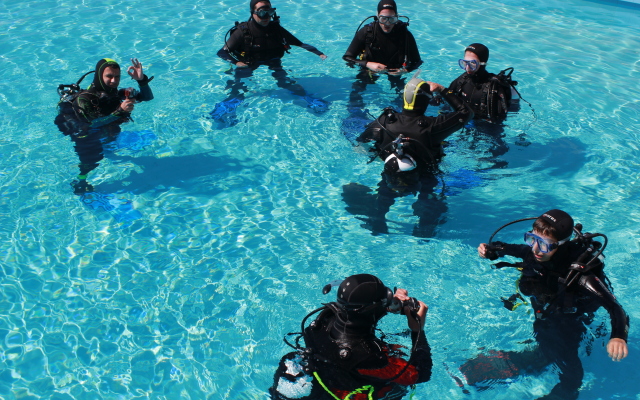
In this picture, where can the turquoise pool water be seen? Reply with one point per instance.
(213, 243)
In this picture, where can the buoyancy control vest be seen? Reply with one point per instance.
(374, 51)
(490, 96)
(251, 49)
(416, 137)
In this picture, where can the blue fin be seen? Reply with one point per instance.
(225, 111)
(121, 209)
(318, 106)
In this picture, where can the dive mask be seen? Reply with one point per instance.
(387, 20)
(473, 64)
(544, 245)
(264, 13)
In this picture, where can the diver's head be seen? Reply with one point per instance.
(475, 58)
(364, 300)
(261, 11)
(551, 230)
(387, 15)
(417, 94)
(107, 75)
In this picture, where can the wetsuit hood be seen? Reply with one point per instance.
(98, 84)
(480, 50)
(361, 301)
(252, 4)
(560, 221)
(387, 5)
(483, 55)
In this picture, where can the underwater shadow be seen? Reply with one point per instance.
(197, 174)
(372, 205)
(561, 157)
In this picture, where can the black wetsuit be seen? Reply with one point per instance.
(560, 328)
(425, 146)
(396, 49)
(348, 363)
(426, 134)
(473, 90)
(95, 118)
(256, 45)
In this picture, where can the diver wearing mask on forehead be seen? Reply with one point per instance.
(93, 117)
(343, 358)
(410, 144)
(565, 281)
(260, 41)
(384, 46)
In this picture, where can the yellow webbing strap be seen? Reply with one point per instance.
(524, 302)
(359, 390)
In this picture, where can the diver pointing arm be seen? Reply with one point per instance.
(294, 41)
(447, 123)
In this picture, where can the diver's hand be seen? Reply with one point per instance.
(435, 87)
(376, 67)
(323, 56)
(135, 70)
(127, 105)
(617, 349)
(403, 295)
(482, 250)
(422, 313)
(398, 71)
(240, 64)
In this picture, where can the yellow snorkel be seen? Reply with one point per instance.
(411, 90)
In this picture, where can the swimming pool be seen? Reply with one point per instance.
(217, 242)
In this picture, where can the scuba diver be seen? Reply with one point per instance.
(566, 283)
(410, 144)
(92, 117)
(343, 358)
(490, 96)
(384, 46)
(260, 41)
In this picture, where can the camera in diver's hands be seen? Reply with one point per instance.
(397, 305)
(128, 93)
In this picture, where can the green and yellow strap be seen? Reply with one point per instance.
(348, 397)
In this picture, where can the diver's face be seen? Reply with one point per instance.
(386, 26)
(111, 77)
(468, 55)
(540, 256)
(261, 21)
